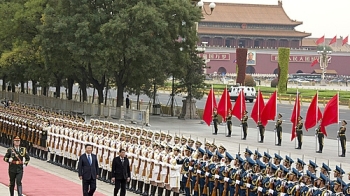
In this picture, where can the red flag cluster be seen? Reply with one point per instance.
(295, 116)
(333, 40)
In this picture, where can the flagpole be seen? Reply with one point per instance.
(275, 116)
(241, 113)
(212, 108)
(258, 113)
(225, 110)
(296, 118)
(316, 119)
(338, 120)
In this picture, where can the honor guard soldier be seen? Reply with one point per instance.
(266, 158)
(278, 129)
(261, 132)
(288, 163)
(43, 141)
(210, 173)
(342, 138)
(185, 170)
(224, 187)
(52, 137)
(277, 159)
(17, 158)
(174, 171)
(312, 167)
(229, 122)
(267, 185)
(106, 153)
(339, 186)
(215, 121)
(321, 184)
(256, 177)
(338, 172)
(292, 186)
(234, 174)
(299, 131)
(143, 180)
(245, 177)
(300, 166)
(244, 123)
(248, 153)
(320, 137)
(325, 170)
(257, 155)
(306, 186)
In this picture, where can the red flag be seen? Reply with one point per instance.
(239, 108)
(313, 114)
(209, 107)
(314, 62)
(330, 113)
(295, 116)
(270, 109)
(320, 40)
(224, 104)
(345, 40)
(258, 108)
(333, 40)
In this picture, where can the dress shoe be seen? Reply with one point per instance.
(341, 155)
(261, 142)
(243, 138)
(298, 148)
(228, 135)
(318, 151)
(214, 133)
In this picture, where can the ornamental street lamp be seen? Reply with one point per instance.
(324, 54)
(200, 4)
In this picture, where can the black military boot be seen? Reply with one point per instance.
(133, 186)
(153, 190)
(56, 160)
(51, 158)
(65, 160)
(12, 190)
(19, 190)
(160, 191)
(60, 161)
(109, 174)
(41, 154)
(139, 188)
(167, 192)
(128, 185)
(176, 194)
(69, 164)
(146, 191)
(104, 175)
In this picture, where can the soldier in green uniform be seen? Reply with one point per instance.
(229, 122)
(261, 131)
(320, 137)
(245, 125)
(14, 156)
(299, 130)
(215, 121)
(278, 129)
(342, 137)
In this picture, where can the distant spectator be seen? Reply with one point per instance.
(127, 102)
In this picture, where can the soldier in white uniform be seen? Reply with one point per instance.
(175, 172)
(98, 141)
(134, 155)
(52, 136)
(71, 145)
(145, 167)
(66, 153)
(59, 150)
(75, 146)
(106, 153)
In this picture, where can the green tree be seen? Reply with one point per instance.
(283, 62)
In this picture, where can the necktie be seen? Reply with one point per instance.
(122, 161)
(89, 159)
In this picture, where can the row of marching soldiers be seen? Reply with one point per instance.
(162, 164)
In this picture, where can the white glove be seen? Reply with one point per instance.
(190, 167)
(302, 184)
(185, 175)
(282, 194)
(275, 130)
(24, 165)
(271, 191)
(260, 189)
(248, 185)
(297, 187)
(260, 177)
(238, 182)
(315, 136)
(10, 159)
(199, 171)
(217, 176)
(207, 173)
(226, 179)
(271, 179)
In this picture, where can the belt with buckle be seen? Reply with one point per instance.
(17, 162)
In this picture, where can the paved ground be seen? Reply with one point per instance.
(234, 144)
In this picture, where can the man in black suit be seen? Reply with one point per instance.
(120, 173)
(87, 169)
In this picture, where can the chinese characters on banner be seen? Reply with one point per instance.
(299, 58)
(216, 56)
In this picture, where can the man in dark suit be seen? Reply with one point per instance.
(87, 170)
(120, 173)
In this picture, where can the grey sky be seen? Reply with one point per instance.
(323, 17)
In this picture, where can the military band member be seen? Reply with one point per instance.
(320, 138)
(17, 157)
(244, 123)
(342, 138)
(339, 186)
(215, 121)
(278, 129)
(299, 131)
(229, 122)
(306, 186)
(321, 185)
(292, 186)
